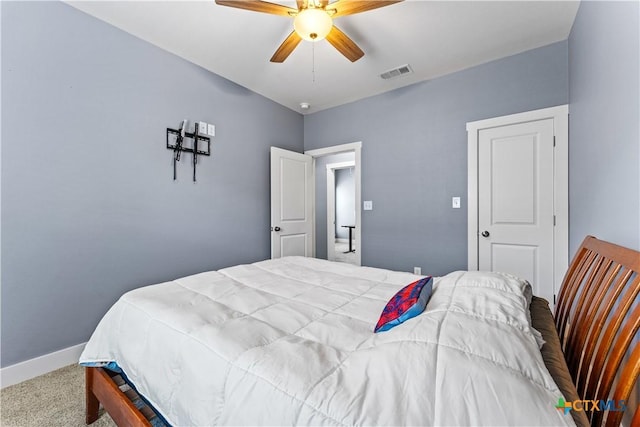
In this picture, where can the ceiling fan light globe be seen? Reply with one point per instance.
(312, 24)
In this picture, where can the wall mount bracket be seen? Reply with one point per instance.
(202, 140)
(200, 145)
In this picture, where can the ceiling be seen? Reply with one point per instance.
(433, 37)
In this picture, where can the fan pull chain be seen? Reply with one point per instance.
(313, 62)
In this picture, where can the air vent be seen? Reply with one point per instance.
(396, 72)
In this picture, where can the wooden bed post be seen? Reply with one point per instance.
(101, 389)
(91, 401)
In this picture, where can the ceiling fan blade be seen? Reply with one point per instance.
(259, 6)
(348, 7)
(286, 47)
(344, 44)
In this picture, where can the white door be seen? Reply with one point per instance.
(518, 196)
(516, 202)
(291, 203)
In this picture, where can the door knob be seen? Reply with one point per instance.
(277, 229)
(485, 233)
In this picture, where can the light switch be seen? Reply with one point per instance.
(455, 202)
(202, 128)
(211, 130)
(368, 205)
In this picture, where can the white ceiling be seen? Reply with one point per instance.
(433, 37)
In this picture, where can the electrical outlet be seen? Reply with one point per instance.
(368, 205)
(202, 128)
(417, 271)
(211, 130)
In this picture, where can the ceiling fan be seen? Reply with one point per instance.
(313, 21)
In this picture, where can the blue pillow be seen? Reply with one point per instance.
(408, 302)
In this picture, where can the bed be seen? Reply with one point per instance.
(291, 341)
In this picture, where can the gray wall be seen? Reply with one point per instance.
(604, 150)
(89, 207)
(345, 201)
(414, 153)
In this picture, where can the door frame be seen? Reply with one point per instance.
(356, 147)
(560, 116)
(331, 205)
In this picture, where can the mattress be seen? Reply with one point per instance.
(290, 341)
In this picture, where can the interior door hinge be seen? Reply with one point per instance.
(554, 299)
(554, 220)
(554, 140)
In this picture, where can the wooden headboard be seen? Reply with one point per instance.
(597, 318)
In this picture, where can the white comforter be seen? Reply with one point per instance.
(291, 341)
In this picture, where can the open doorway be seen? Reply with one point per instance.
(328, 161)
(341, 211)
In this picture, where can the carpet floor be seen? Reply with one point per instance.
(53, 399)
(341, 256)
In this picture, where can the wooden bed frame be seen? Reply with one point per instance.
(102, 389)
(597, 319)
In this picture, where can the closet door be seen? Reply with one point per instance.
(518, 197)
(515, 202)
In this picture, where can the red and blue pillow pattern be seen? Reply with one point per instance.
(408, 302)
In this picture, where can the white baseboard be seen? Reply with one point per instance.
(32, 368)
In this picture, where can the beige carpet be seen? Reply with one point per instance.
(53, 399)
